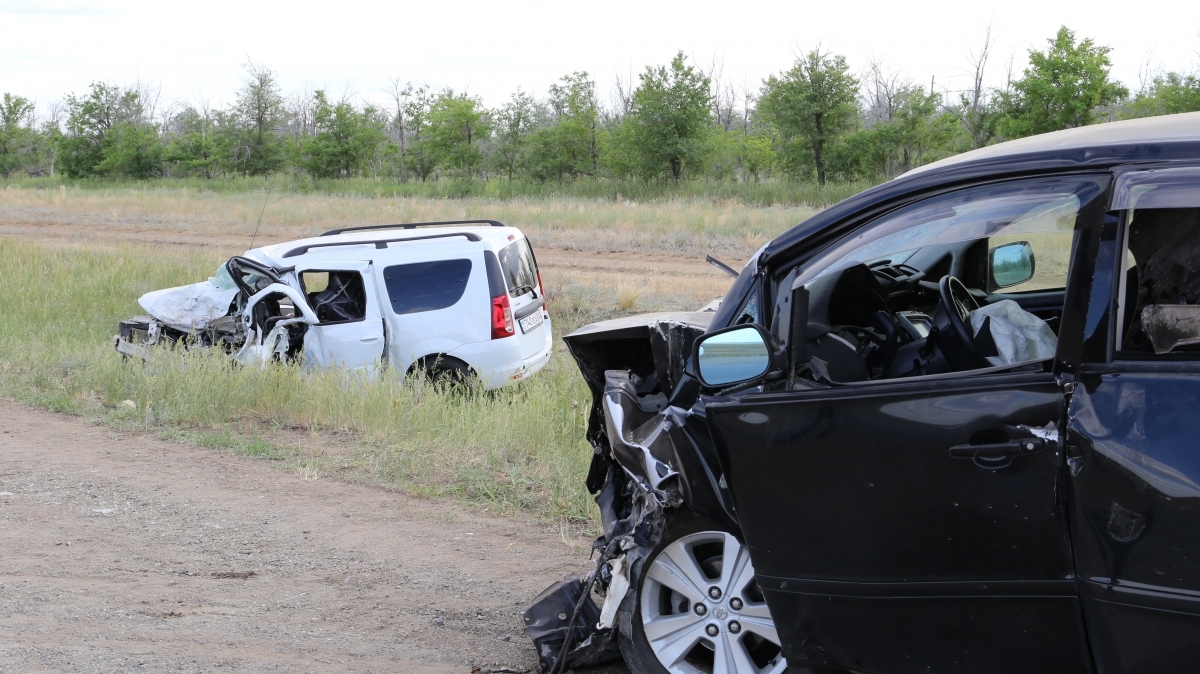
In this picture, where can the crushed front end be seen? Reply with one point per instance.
(247, 309)
(651, 453)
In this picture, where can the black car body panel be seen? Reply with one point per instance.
(881, 539)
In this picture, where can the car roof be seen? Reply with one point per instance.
(1162, 129)
(432, 240)
(1150, 140)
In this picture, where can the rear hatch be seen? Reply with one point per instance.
(526, 296)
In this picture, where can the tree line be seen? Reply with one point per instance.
(817, 121)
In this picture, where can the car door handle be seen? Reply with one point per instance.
(1016, 447)
(368, 338)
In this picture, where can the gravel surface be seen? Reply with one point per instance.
(123, 552)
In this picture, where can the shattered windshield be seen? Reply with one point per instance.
(968, 215)
(222, 279)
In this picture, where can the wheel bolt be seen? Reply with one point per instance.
(714, 592)
(735, 627)
(712, 630)
(700, 609)
(735, 604)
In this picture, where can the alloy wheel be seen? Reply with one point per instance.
(702, 610)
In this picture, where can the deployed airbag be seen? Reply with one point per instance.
(190, 307)
(1019, 335)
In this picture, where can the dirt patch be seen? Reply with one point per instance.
(124, 550)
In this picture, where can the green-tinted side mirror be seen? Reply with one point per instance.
(1010, 264)
(732, 356)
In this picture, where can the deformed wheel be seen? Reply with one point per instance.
(699, 609)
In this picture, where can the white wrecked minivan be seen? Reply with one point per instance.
(453, 299)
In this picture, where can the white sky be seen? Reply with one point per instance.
(490, 48)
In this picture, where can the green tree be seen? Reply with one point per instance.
(415, 154)
(458, 124)
(670, 118)
(134, 150)
(90, 118)
(346, 139)
(514, 122)
(567, 143)
(17, 135)
(199, 142)
(1063, 87)
(915, 131)
(810, 106)
(260, 114)
(1167, 95)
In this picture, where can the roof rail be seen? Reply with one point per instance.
(379, 243)
(414, 225)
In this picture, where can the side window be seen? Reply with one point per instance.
(520, 271)
(1160, 292)
(1048, 233)
(335, 296)
(426, 286)
(902, 296)
(750, 312)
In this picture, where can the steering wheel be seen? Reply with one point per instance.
(959, 304)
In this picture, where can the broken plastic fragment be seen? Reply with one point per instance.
(617, 587)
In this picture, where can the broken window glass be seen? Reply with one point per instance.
(1160, 294)
(335, 296)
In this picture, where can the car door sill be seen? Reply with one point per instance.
(962, 588)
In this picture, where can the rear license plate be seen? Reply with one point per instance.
(531, 321)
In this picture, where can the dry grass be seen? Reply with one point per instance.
(76, 261)
(683, 226)
(522, 447)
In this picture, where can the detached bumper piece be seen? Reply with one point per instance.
(546, 624)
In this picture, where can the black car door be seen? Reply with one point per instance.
(1133, 447)
(881, 545)
(877, 550)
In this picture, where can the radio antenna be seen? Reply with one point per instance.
(260, 214)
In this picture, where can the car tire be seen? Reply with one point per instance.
(689, 560)
(444, 371)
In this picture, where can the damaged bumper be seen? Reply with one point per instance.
(650, 455)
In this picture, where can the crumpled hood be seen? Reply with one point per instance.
(190, 307)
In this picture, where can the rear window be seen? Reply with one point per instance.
(426, 286)
(520, 271)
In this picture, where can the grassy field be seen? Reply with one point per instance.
(76, 260)
(678, 227)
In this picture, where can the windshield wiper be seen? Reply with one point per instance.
(521, 290)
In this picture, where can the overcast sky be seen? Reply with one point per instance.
(491, 48)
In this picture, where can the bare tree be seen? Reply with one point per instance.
(623, 94)
(882, 92)
(979, 65)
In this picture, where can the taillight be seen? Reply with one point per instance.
(502, 320)
(541, 289)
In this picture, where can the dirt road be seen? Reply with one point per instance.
(128, 553)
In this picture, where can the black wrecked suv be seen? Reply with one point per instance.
(951, 424)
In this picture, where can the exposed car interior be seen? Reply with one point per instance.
(886, 319)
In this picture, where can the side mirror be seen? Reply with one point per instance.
(1010, 264)
(733, 356)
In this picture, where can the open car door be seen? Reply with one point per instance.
(351, 332)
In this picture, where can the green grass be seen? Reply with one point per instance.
(766, 193)
(520, 448)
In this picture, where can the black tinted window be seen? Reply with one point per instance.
(516, 261)
(426, 286)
